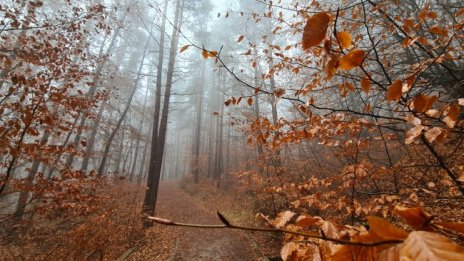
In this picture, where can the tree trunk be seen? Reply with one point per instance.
(93, 88)
(154, 171)
(148, 201)
(198, 116)
(121, 119)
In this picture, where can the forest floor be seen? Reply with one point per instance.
(188, 203)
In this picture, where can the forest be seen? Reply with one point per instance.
(265, 130)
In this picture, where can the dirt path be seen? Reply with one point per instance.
(175, 243)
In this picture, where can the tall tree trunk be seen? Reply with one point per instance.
(198, 118)
(156, 117)
(256, 108)
(93, 88)
(126, 109)
(218, 166)
(23, 195)
(139, 136)
(91, 141)
(154, 171)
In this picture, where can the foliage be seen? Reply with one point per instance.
(374, 126)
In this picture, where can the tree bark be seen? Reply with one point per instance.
(155, 163)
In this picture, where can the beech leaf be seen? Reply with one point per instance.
(385, 229)
(283, 218)
(458, 227)
(352, 59)
(365, 85)
(345, 39)
(185, 47)
(427, 246)
(415, 217)
(240, 38)
(394, 91)
(315, 30)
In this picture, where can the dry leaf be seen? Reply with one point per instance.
(315, 30)
(415, 217)
(282, 218)
(345, 39)
(394, 91)
(365, 85)
(352, 59)
(427, 246)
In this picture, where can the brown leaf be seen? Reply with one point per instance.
(423, 103)
(305, 221)
(435, 134)
(287, 250)
(352, 59)
(458, 227)
(331, 66)
(282, 218)
(438, 30)
(385, 229)
(365, 85)
(204, 53)
(240, 38)
(250, 101)
(413, 133)
(452, 114)
(345, 39)
(394, 91)
(329, 229)
(279, 92)
(185, 47)
(361, 253)
(414, 217)
(427, 246)
(315, 30)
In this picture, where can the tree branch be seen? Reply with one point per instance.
(227, 224)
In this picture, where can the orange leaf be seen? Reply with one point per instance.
(305, 221)
(458, 227)
(413, 133)
(204, 53)
(385, 229)
(331, 66)
(435, 134)
(347, 86)
(438, 30)
(287, 250)
(283, 218)
(212, 53)
(365, 85)
(423, 103)
(452, 114)
(250, 101)
(415, 217)
(394, 91)
(409, 41)
(315, 30)
(240, 38)
(279, 92)
(345, 39)
(427, 246)
(352, 59)
(185, 47)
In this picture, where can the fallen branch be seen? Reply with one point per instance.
(227, 224)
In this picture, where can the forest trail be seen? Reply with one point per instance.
(179, 243)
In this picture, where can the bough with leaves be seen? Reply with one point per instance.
(382, 241)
